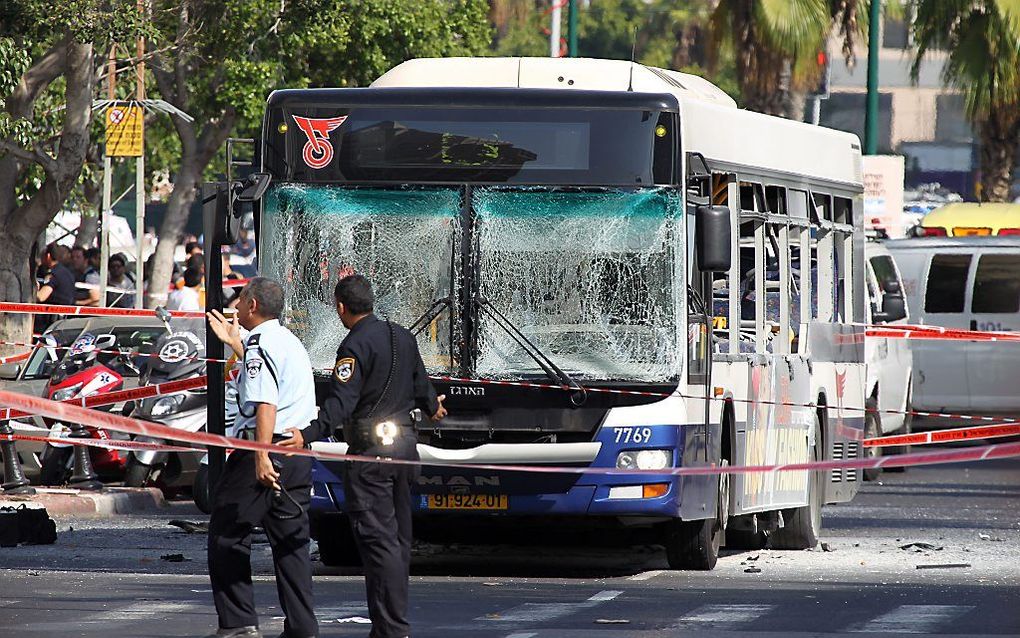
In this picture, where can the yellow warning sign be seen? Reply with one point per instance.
(124, 130)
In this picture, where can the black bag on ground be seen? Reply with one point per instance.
(26, 525)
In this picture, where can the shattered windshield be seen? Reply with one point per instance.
(403, 240)
(588, 276)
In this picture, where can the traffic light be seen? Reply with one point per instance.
(825, 68)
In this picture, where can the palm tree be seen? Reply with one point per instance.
(982, 42)
(772, 40)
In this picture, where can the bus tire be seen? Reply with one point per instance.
(695, 544)
(803, 525)
(200, 489)
(337, 547)
(872, 430)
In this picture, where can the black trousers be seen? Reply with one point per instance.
(240, 503)
(378, 500)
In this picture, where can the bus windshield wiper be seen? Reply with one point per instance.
(551, 370)
(429, 315)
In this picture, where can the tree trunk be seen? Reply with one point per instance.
(16, 284)
(172, 229)
(1000, 135)
(22, 224)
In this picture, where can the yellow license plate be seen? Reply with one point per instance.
(468, 501)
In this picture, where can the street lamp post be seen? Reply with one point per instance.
(871, 111)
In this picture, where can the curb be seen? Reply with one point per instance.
(111, 501)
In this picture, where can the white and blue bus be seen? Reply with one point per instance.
(581, 227)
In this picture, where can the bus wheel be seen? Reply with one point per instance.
(695, 544)
(872, 430)
(803, 525)
(336, 542)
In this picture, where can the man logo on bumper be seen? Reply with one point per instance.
(344, 369)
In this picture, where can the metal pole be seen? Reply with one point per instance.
(554, 29)
(212, 196)
(140, 176)
(871, 113)
(572, 29)
(104, 220)
(816, 110)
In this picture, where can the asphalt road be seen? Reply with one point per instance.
(107, 578)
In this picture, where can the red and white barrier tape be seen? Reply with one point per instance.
(133, 354)
(109, 444)
(959, 434)
(972, 433)
(116, 423)
(663, 395)
(89, 311)
(14, 358)
(110, 398)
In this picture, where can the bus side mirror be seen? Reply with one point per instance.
(712, 238)
(251, 189)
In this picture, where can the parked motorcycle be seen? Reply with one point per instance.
(79, 375)
(180, 355)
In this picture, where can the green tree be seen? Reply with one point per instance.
(219, 59)
(982, 41)
(47, 82)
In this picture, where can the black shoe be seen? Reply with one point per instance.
(251, 631)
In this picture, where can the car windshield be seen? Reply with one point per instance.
(588, 276)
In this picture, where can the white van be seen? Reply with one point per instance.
(889, 360)
(970, 283)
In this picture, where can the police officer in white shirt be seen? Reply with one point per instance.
(276, 396)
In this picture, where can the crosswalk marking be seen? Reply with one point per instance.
(541, 612)
(912, 619)
(723, 615)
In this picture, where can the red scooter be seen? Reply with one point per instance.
(80, 375)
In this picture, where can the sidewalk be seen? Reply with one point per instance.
(110, 501)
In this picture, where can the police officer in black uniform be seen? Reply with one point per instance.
(378, 381)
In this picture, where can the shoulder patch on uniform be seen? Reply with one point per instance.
(253, 340)
(253, 367)
(344, 369)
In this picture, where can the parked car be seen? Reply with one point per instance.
(32, 375)
(889, 360)
(969, 283)
(970, 219)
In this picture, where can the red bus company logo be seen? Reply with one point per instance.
(318, 151)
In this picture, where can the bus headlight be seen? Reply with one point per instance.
(644, 460)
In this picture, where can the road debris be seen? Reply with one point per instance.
(174, 558)
(944, 566)
(922, 547)
(190, 526)
(611, 621)
(828, 548)
(988, 537)
(752, 570)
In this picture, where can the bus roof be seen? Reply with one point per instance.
(552, 73)
(712, 123)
